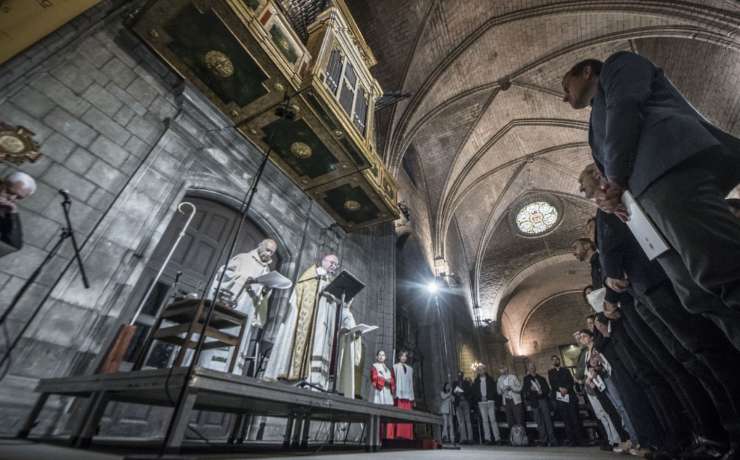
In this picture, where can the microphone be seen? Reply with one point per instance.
(64, 194)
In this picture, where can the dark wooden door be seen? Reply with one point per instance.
(200, 252)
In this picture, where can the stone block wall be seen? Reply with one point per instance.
(129, 141)
(552, 325)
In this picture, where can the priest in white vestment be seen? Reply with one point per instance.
(302, 349)
(251, 299)
(350, 354)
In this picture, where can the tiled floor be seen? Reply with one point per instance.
(14, 450)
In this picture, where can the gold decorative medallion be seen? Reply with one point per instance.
(352, 205)
(301, 150)
(11, 144)
(17, 145)
(219, 64)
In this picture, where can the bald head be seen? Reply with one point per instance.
(15, 187)
(266, 249)
(590, 180)
(23, 182)
(330, 263)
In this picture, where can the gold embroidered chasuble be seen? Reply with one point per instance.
(306, 301)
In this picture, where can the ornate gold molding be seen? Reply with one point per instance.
(17, 144)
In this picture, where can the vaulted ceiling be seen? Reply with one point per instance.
(485, 116)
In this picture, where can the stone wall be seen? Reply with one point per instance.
(552, 325)
(129, 140)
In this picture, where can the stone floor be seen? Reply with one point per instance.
(16, 450)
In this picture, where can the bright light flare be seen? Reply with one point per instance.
(432, 287)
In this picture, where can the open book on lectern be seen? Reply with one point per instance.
(345, 283)
(360, 329)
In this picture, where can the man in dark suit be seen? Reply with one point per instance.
(536, 392)
(672, 338)
(646, 138)
(710, 385)
(13, 188)
(566, 400)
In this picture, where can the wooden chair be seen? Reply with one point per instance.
(186, 317)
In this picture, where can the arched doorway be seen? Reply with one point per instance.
(200, 252)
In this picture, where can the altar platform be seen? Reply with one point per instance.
(217, 391)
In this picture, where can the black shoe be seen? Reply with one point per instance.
(659, 455)
(704, 441)
(698, 453)
(733, 453)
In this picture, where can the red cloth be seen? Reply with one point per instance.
(389, 432)
(404, 430)
(378, 380)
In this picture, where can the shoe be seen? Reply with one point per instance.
(704, 441)
(622, 447)
(732, 454)
(659, 455)
(639, 452)
(702, 452)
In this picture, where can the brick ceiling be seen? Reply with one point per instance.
(485, 114)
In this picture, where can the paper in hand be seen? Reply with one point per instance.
(273, 280)
(596, 299)
(645, 232)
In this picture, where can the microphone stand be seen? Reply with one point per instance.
(66, 204)
(67, 232)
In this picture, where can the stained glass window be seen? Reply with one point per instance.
(537, 217)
